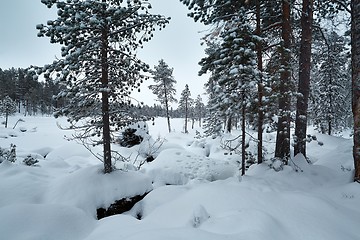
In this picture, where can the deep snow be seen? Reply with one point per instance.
(197, 192)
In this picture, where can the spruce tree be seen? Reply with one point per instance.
(331, 85)
(185, 104)
(233, 67)
(304, 77)
(99, 67)
(199, 109)
(282, 147)
(164, 87)
(7, 108)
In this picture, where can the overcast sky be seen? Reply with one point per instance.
(178, 44)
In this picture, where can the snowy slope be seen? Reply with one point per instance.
(206, 199)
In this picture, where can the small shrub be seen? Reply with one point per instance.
(134, 134)
(129, 138)
(30, 160)
(276, 163)
(8, 154)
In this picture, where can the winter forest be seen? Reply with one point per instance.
(271, 152)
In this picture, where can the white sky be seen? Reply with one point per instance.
(178, 44)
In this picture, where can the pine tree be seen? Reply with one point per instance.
(7, 108)
(233, 67)
(282, 148)
(304, 77)
(99, 67)
(213, 118)
(267, 17)
(164, 86)
(185, 104)
(199, 109)
(331, 85)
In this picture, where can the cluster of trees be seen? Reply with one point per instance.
(282, 60)
(22, 89)
(261, 54)
(164, 89)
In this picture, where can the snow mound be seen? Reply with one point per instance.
(98, 190)
(66, 151)
(44, 221)
(21, 184)
(200, 215)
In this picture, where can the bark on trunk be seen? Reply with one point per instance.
(186, 116)
(243, 139)
(330, 94)
(304, 78)
(6, 119)
(168, 116)
(355, 63)
(260, 86)
(282, 148)
(167, 107)
(228, 124)
(105, 99)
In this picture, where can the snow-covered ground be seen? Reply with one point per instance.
(197, 192)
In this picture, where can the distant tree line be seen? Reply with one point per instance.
(30, 95)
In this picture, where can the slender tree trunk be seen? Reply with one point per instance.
(243, 134)
(282, 148)
(186, 116)
(329, 126)
(304, 78)
(168, 115)
(260, 85)
(330, 94)
(355, 64)
(105, 100)
(228, 124)
(200, 119)
(6, 119)
(167, 107)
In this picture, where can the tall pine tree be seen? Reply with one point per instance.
(331, 85)
(99, 67)
(304, 77)
(164, 87)
(185, 104)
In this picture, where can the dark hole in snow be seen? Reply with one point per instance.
(119, 206)
(139, 216)
(149, 159)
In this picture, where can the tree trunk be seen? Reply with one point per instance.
(243, 139)
(355, 64)
(330, 94)
(6, 119)
(304, 78)
(228, 124)
(105, 100)
(282, 148)
(168, 115)
(260, 85)
(186, 116)
(167, 107)
(200, 114)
